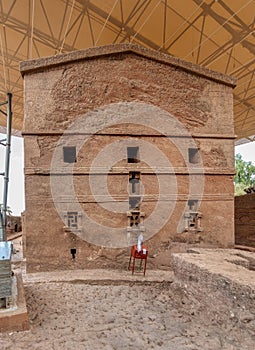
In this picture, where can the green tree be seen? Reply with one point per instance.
(245, 175)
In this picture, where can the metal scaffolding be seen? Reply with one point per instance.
(7, 143)
(216, 34)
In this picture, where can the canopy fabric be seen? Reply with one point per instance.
(217, 34)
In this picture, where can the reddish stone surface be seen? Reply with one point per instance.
(13, 224)
(103, 84)
(245, 220)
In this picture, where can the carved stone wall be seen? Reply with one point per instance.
(245, 220)
(82, 112)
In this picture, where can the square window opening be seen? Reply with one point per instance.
(193, 205)
(133, 154)
(69, 154)
(134, 203)
(194, 156)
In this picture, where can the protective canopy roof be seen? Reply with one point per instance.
(217, 34)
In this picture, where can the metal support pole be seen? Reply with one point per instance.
(3, 220)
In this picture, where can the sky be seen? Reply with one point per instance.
(15, 199)
(247, 151)
(16, 195)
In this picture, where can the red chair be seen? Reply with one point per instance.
(142, 255)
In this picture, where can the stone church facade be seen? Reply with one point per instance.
(122, 140)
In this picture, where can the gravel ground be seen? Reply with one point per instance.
(66, 315)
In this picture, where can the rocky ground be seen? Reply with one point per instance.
(102, 309)
(77, 315)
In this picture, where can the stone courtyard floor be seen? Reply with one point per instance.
(101, 313)
(102, 309)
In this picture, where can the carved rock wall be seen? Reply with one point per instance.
(245, 220)
(105, 104)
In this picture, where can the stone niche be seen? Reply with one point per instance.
(122, 140)
(13, 224)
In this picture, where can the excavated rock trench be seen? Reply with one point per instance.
(66, 315)
(208, 305)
